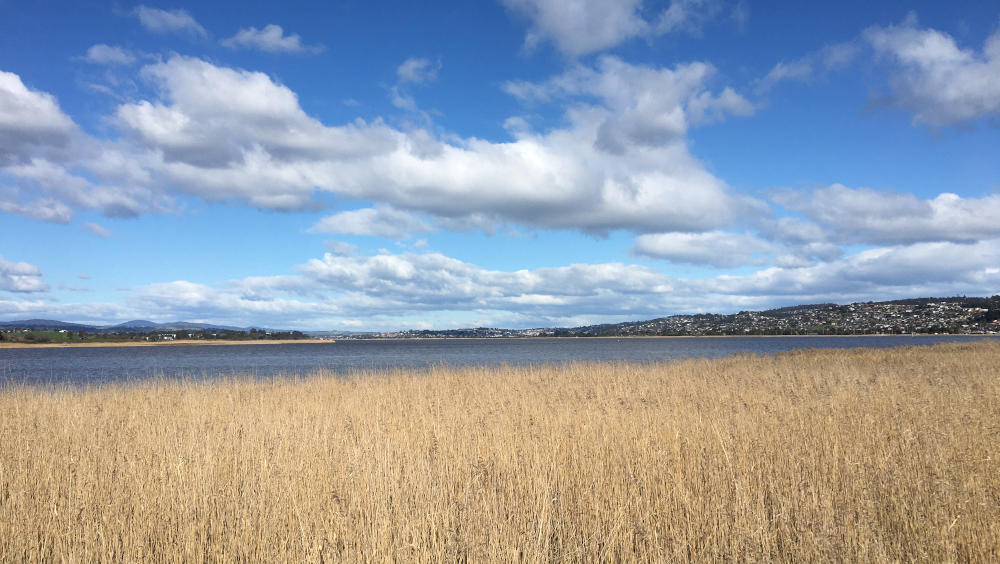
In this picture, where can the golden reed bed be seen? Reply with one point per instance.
(861, 455)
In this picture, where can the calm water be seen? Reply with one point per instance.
(98, 365)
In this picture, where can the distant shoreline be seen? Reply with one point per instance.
(221, 342)
(194, 342)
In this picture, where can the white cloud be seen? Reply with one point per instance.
(381, 221)
(835, 56)
(43, 209)
(418, 70)
(341, 248)
(97, 230)
(691, 15)
(937, 81)
(21, 277)
(864, 215)
(586, 26)
(794, 70)
(647, 106)
(271, 39)
(922, 269)
(224, 134)
(30, 121)
(713, 248)
(168, 21)
(107, 55)
(227, 134)
(432, 281)
(398, 290)
(67, 188)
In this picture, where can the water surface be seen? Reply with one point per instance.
(97, 365)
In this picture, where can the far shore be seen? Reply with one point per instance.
(196, 342)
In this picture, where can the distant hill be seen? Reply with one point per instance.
(143, 326)
(44, 324)
(952, 315)
(134, 326)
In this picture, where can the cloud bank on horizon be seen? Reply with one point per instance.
(569, 163)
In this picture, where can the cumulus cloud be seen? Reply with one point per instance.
(66, 189)
(937, 81)
(620, 161)
(107, 55)
(30, 121)
(399, 290)
(921, 269)
(579, 28)
(713, 248)
(864, 215)
(646, 106)
(271, 39)
(432, 281)
(381, 221)
(43, 209)
(222, 133)
(21, 277)
(168, 21)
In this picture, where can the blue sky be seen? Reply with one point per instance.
(519, 163)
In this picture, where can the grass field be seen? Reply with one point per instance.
(860, 455)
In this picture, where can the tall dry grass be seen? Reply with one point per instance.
(865, 455)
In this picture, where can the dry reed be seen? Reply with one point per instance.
(864, 455)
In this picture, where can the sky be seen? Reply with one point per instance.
(382, 165)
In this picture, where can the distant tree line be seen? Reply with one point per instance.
(43, 336)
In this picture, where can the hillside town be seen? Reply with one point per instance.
(957, 315)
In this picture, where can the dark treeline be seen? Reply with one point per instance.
(29, 336)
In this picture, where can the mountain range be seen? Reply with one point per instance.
(134, 326)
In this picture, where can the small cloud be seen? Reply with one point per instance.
(44, 209)
(379, 221)
(340, 248)
(83, 276)
(839, 55)
(740, 15)
(412, 71)
(97, 230)
(817, 64)
(417, 245)
(21, 277)
(795, 70)
(713, 248)
(172, 21)
(402, 100)
(71, 288)
(271, 39)
(102, 54)
(418, 70)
